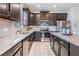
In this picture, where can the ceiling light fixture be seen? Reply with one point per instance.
(38, 6)
(54, 6)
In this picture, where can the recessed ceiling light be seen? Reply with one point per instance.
(54, 6)
(38, 6)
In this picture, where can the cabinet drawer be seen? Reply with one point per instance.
(13, 50)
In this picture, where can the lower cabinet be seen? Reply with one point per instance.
(19, 53)
(63, 51)
(47, 34)
(56, 46)
(30, 42)
(51, 42)
(16, 50)
(25, 46)
(27, 43)
(22, 48)
(74, 50)
(37, 36)
(64, 48)
(60, 46)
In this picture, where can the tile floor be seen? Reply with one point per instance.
(41, 49)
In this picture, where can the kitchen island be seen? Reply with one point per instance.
(64, 45)
(9, 42)
(71, 43)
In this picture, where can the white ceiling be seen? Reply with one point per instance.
(48, 6)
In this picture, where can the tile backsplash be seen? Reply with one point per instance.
(8, 27)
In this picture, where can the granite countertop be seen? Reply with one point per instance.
(8, 42)
(74, 39)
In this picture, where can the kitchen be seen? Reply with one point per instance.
(39, 29)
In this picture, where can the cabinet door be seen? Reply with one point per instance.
(15, 11)
(19, 53)
(64, 48)
(61, 16)
(44, 15)
(38, 36)
(4, 10)
(13, 50)
(25, 47)
(74, 50)
(34, 19)
(56, 46)
(63, 51)
(47, 34)
(51, 41)
(52, 19)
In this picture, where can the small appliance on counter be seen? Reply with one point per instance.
(67, 29)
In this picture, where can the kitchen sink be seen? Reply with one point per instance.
(68, 34)
(25, 33)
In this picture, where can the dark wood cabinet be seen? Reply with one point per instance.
(4, 10)
(14, 51)
(19, 52)
(30, 41)
(15, 11)
(27, 43)
(74, 50)
(64, 48)
(25, 46)
(47, 34)
(61, 16)
(44, 15)
(52, 19)
(56, 46)
(31, 20)
(51, 41)
(34, 19)
(38, 36)
(59, 46)
(10, 11)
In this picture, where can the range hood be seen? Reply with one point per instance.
(44, 22)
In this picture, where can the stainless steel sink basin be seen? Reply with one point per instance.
(25, 33)
(67, 34)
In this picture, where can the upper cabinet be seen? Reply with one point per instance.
(34, 19)
(10, 11)
(52, 19)
(4, 10)
(61, 16)
(14, 11)
(44, 15)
